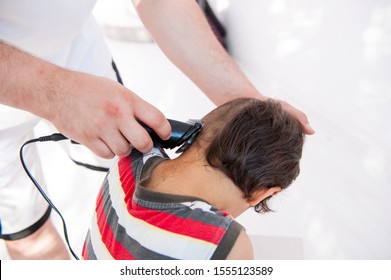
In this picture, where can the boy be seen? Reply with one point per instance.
(153, 207)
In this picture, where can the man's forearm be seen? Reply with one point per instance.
(94, 111)
(26, 82)
(182, 32)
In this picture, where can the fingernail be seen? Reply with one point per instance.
(310, 129)
(169, 136)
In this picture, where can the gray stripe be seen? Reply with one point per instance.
(90, 251)
(136, 158)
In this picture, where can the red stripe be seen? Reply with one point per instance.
(115, 248)
(84, 251)
(172, 223)
(126, 177)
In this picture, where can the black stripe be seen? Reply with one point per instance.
(228, 241)
(30, 230)
(119, 79)
(90, 166)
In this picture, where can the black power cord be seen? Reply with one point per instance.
(54, 137)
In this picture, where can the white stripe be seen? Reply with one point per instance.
(99, 247)
(115, 182)
(153, 238)
(199, 205)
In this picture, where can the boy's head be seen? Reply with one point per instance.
(255, 143)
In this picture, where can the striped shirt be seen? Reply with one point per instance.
(132, 222)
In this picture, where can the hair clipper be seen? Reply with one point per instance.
(183, 134)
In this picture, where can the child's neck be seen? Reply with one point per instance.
(192, 177)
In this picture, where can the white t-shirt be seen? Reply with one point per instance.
(60, 31)
(43, 27)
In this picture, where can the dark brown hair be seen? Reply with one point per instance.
(255, 143)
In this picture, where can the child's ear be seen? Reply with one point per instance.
(261, 194)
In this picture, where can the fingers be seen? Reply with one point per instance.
(135, 134)
(107, 123)
(117, 143)
(304, 121)
(300, 116)
(113, 143)
(154, 119)
(100, 148)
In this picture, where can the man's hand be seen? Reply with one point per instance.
(102, 115)
(298, 115)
